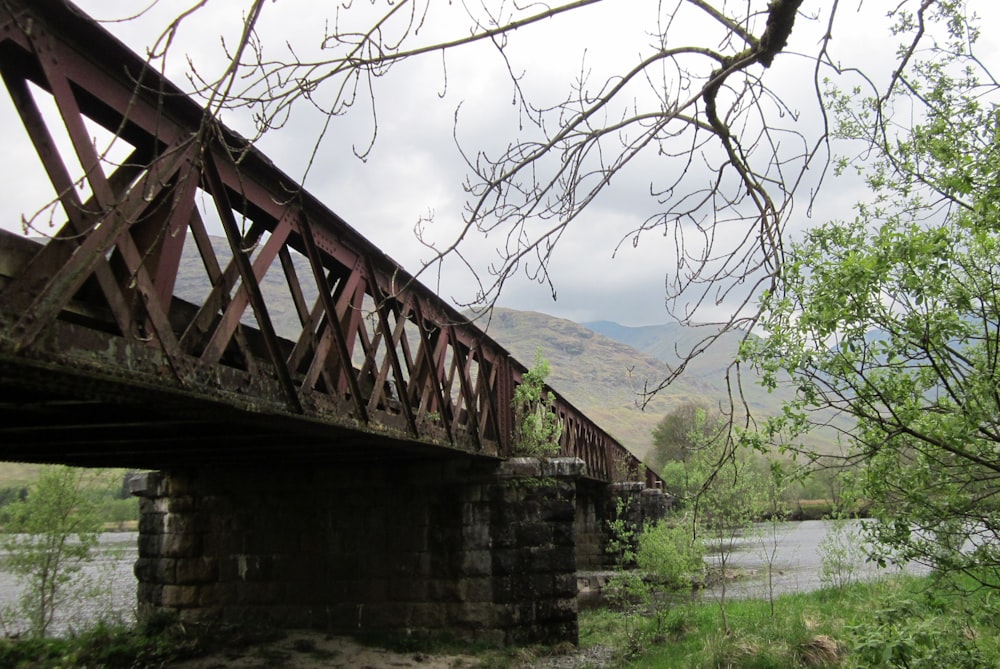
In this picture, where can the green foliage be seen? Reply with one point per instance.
(669, 551)
(842, 552)
(673, 439)
(537, 428)
(849, 627)
(893, 318)
(902, 636)
(156, 643)
(49, 537)
(721, 492)
(621, 535)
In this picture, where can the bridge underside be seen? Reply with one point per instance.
(302, 340)
(49, 415)
(346, 467)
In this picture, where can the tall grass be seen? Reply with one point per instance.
(897, 622)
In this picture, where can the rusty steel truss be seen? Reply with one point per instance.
(102, 363)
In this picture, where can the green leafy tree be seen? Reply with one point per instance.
(669, 551)
(732, 497)
(672, 437)
(537, 427)
(893, 318)
(721, 489)
(49, 537)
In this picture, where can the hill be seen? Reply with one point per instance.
(600, 375)
(669, 341)
(603, 368)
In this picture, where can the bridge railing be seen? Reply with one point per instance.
(367, 347)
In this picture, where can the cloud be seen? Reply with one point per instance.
(415, 167)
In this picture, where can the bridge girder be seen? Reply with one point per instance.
(98, 348)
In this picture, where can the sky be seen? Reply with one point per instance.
(428, 110)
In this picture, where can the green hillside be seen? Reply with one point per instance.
(602, 377)
(707, 371)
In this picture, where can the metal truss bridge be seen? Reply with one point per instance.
(105, 360)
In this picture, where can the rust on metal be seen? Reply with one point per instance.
(104, 360)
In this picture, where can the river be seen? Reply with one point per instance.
(110, 591)
(795, 567)
(797, 563)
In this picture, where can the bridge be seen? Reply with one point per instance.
(332, 442)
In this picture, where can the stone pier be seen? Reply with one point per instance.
(481, 549)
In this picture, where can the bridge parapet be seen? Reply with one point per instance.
(374, 351)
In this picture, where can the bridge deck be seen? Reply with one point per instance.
(102, 362)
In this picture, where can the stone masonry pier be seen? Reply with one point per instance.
(482, 550)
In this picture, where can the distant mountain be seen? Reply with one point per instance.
(601, 375)
(671, 342)
(668, 342)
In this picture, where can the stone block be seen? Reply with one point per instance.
(475, 589)
(377, 590)
(180, 545)
(178, 484)
(553, 610)
(442, 590)
(533, 534)
(155, 570)
(503, 590)
(476, 514)
(149, 546)
(520, 467)
(560, 511)
(150, 595)
(563, 534)
(210, 503)
(427, 616)
(473, 615)
(382, 615)
(506, 561)
(559, 559)
(196, 570)
(476, 563)
(562, 467)
(542, 585)
(151, 522)
(141, 484)
(214, 595)
(407, 590)
(502, 535)
(565, 585)
(180, 596)
(203, 614)
(344, 615)
(257, 594)
(506, 615)
(181, 523)
(183, 504)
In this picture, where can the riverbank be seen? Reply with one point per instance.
(898, 621)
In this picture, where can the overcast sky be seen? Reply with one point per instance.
(415, 166)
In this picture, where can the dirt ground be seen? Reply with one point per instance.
(315, 650)
(305, 649)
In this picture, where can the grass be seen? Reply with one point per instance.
(17, 474)
(158, 642)
(913, 622)
(898, 622)
(104, 487)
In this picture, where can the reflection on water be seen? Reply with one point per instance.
(111, 591)
(797, 562)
